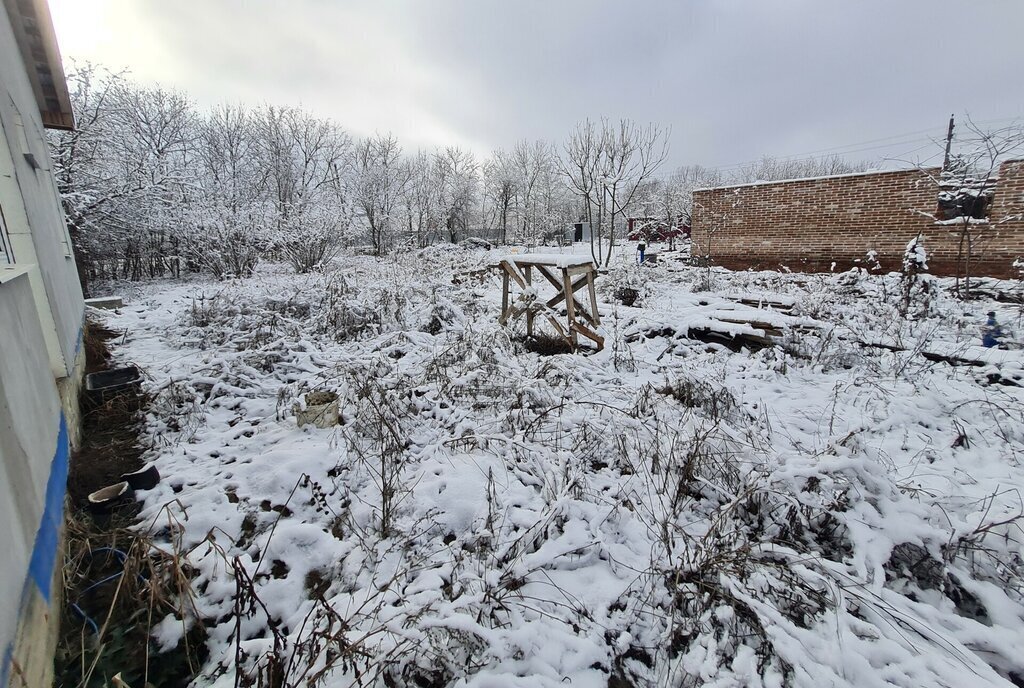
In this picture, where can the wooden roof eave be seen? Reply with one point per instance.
(37, 43)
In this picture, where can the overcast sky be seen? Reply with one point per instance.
(734, 79)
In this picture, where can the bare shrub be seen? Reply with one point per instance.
(306, 251)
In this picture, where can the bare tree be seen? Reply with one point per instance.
(230, 214)
(382, 181)
(420, 200)
(501, 188)
(122, 173)
(605, 165)
(769, 169)
(964, 190)
(677, 198)
(456, 173)
(305, 158)
(155, 131)
(535, 169)
(85, 167)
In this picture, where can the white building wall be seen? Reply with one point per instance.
(41, 311)
(32, 212)
(579, 231)
(29, 431)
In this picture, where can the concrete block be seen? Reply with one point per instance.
(106, 302)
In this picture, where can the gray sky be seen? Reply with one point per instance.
(734, 79)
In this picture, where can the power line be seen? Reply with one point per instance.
(858, 147)
(837, 149)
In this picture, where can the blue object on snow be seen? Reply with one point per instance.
(991, 333)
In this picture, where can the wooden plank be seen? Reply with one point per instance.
(514, 273)
(560, 286)
(590, 334)
(557, 325)
(528, 270)
(558, 298)
(504, 295)
(596, 320)
(576, 286)
(579, 283)
(768, 328)
(580, 269)
(516, 311)
(570, 311)
(566, 260)
(550, 276)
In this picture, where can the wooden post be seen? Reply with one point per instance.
(528, 273)
(504, 295)
(570, 309)
(593, 297)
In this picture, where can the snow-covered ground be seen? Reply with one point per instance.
(668, 511)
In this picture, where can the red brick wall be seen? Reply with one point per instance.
(808, 224)
(1007, 214)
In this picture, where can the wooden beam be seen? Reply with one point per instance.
(514, 273)
(558, 326)
(596, 320)
(570, 311)
(576, 270)
(550, 276)
(590, 334)
(558, 298)
(560, 286)
(504, 295)
(528, 270)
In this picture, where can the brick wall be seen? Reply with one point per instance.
(809, 224)
(1007, 213)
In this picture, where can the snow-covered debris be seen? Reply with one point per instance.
(915, 258)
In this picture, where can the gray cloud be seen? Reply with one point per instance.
(735, 80)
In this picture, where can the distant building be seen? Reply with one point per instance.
(827, 223)
(42, 358)
(579, 231)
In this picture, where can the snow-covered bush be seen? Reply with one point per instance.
(915, 287)
(226, 252)
(915, 258)
(627, 285)
(309, 248)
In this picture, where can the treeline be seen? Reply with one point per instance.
(154, 187)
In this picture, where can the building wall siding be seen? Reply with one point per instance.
(30, 439)
(33, 213)
(833, 222)
(41, 364)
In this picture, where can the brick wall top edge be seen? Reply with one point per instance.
(811, 180)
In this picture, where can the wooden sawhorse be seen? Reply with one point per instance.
(568, 275)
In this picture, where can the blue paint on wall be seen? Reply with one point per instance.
(5, 670)
(44, 554)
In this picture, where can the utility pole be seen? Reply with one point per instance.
(949, 142)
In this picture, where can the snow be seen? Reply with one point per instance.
(808, 179)
(559, 260)
(668, 511)
(915, 257)
(961, 221)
